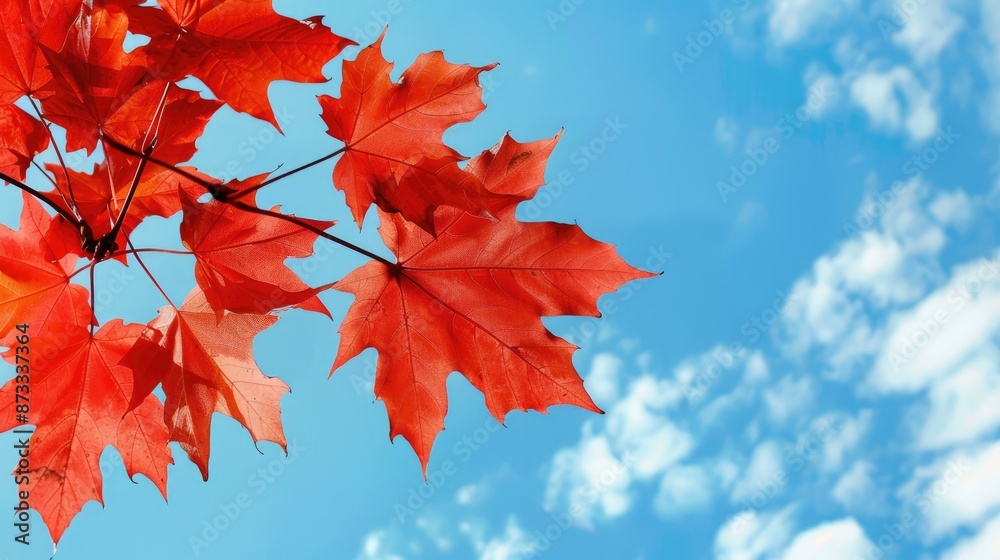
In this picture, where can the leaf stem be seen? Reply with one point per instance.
(120, 220)
(93, 300)
(59, 155)
(135, 251)
(108, 245)
(82, 270)
(138, 259)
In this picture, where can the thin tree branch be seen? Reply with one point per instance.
(217, 190)
(293, 220)
(214, 187)
(82, 269)
(61, 211)
(50, 179)
(287, 174)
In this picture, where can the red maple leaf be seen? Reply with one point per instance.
(49, 21)
(241, 256)
(177, 127)
(393, 135)
(77, 416)
(36, 263)
(25, 139)
(207, 366)
(237, 47)
(22, 67)
(471, 300)
(93, 76)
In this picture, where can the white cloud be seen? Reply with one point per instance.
(718, 408)
(639, 425)
(697, 376)
(931, 340)
(757, 370)
(985, 544)
(468, 495)
(477, 493)
(952, 208)
(436, 528)
(888, 263)
(965, 406)
(683, 490)
(792, 21)
(855, 489)
(896, 101)
(788, 398)
(756, 373)
(753, 535)
(838, 540)
(726, 132)
(726, 472)
(636, 441)
(575, 485)
(374, 547)
(604, 378)
(818, 80)
(928, 30)
(897, 97)
(847, 434)
(514, 544)
(763, 472)
(956, 491)
(990, 27)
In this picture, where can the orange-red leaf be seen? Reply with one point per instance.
(393, 134)
(80, 405)
(206, 365)
(241, 256)
(93, 76)
(49, 20)
(471, 300)
(36, 262)
(513, 169)
(182, 121)
(237, 47)
(24, 137)
(22, 67)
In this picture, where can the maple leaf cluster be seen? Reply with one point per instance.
(466, 292)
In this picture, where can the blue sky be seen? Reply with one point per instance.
(816, 375)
